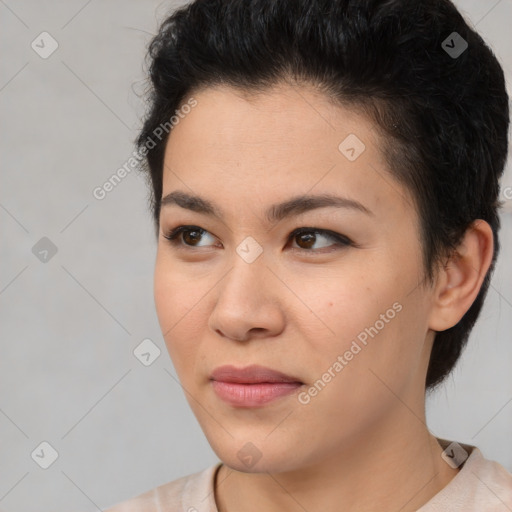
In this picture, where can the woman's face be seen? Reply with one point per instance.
(347, 318)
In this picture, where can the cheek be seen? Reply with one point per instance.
(165, 291)
(357, 379)
(178, 305)
(383, 348)
(348, 303)
(177, 291)
(373, 317)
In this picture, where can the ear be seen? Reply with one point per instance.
(459, 281)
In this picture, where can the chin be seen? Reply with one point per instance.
(260, 467)
(253, 458)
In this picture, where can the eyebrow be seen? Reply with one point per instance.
(275, 213)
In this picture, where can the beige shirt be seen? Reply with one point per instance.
(481, 485)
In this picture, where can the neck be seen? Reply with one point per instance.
(388, 469)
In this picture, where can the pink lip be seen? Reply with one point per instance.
(252, 386)
(253, 374)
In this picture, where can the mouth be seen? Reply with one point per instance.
(253, 374)
(253, 385)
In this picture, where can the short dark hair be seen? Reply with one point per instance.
(445, 116)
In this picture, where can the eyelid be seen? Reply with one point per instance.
(340, 240)
(173, 235)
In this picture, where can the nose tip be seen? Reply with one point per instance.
(245, 304)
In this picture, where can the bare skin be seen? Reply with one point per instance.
(361, 443)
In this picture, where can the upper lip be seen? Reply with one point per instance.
(250, 375)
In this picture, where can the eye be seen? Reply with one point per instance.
(309, 236)
(191, 234)
(306, 237)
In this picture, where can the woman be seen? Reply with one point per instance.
(324, 179)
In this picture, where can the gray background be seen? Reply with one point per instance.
(69, 326)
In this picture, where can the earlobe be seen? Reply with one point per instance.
(460, 279)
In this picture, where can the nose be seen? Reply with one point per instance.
(248, 303)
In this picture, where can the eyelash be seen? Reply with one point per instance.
(341, 241)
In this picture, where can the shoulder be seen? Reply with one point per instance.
(191, 493)
(482, 485)
(491, 482)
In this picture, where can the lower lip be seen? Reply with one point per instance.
(253, 395)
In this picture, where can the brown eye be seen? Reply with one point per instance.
(184, 237)
(191, 235)
(306, 238)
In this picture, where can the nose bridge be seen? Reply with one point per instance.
(248, 273)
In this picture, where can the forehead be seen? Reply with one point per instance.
(287, 141)
(283, 116)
